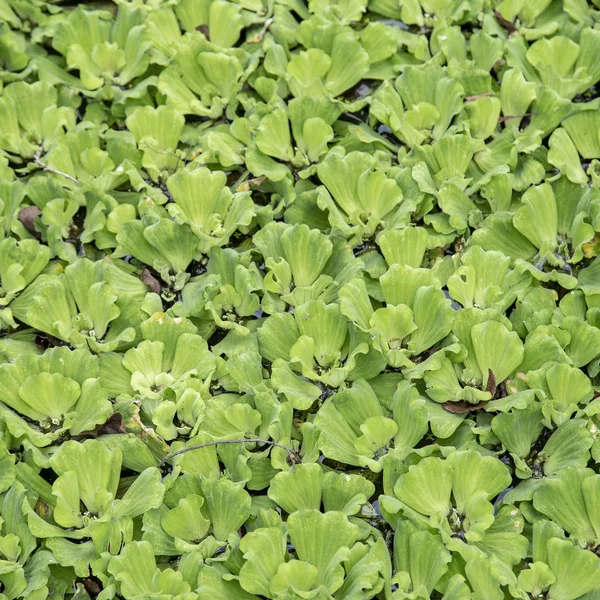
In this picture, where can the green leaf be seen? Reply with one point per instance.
(497, 349)
(404, 246)
(427, 486)
(421, 555)
(97, 469)
(299, 392)
(562, 499)
(346, 493)
(135, 570)
(539, 207)
(563, 155)
(52, 394)
(227, 505)
(577, 571)
(297, 489)
(223, 20)
(323, 540)
(518, 429)
(582, 128)
(537, 578)
(185, 521)
(273, 136)
(325, 325)
(568, 445)
(475, 473)
(264, 552)
(293, 577)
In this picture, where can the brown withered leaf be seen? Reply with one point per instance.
(27, 216)
(491, 384)
(247, 185)
(203, 28)
(92, 585)
(151, 281)
(459, 408)
(508, 25)
(112, 426)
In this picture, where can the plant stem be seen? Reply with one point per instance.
(53, 170)
(294, 456)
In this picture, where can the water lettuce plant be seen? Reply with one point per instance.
(299, 300)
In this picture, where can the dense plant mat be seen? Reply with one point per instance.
(299, 300)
